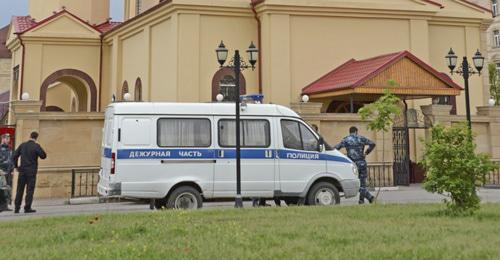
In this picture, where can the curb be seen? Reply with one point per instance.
(92, 200)
(386, 188)
(80, 201)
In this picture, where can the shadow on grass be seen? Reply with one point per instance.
(482, 214)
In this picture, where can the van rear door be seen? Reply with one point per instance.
(107, 144)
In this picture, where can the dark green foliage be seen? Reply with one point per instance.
(494, 83)
(454, 168)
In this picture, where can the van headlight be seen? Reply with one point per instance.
(355, 170)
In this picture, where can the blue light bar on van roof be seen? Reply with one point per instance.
(252, 98)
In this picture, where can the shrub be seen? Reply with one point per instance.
(454, 168)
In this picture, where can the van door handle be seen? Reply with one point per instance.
(220, 153)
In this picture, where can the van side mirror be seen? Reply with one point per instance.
(321, 144)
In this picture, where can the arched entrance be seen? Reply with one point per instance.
(224, 83)
(81, 85)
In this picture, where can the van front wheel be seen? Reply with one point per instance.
(185, 197)
(323, 194)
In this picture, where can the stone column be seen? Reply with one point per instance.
(308, 108)
(493, 128)
(25, 115)
(435, 114)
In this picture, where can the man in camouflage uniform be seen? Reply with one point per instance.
(6, 167)
(355, 146)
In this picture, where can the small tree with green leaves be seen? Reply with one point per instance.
(383, 111)
(494, 83)
(381, 114)
(453, 168)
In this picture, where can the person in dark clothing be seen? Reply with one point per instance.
(29, 152)
(6, 168)
(355, 146)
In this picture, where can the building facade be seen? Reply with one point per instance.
(70, 57)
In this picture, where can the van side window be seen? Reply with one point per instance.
(184, 132)
(297, 136)
(254, 133)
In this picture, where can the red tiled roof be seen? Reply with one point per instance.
(22, 23)
(434, 3)
(4, 52)
(148, 11)
(355, 73)
(106, 26)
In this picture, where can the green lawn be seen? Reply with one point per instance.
(347, 232)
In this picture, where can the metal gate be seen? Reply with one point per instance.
(409, 119)
(401, 147)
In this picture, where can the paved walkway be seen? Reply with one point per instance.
(412, 194)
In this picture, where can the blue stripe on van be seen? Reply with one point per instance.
(166, 154)
(247, 153)
(298, 155)
(132, 154)
(106, 152)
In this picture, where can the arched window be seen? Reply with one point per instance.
(138, 90)
(124, 90)
(224, 82)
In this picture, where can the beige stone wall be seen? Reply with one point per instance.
(174, 56)
(333, 127)
(5, 72)
(71, 140)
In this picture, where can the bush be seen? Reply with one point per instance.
(453, 168)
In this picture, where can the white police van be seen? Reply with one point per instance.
(181, 154)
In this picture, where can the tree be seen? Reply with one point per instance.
(454, 169)
(494, 83)
(381, 114)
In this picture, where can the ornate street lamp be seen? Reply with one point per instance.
(237, 65)
(465, 70)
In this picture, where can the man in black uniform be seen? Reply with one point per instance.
(6, 167)
(355, 146)
(29, 152)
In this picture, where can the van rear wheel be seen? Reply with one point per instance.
(185, 197)
(323, 194)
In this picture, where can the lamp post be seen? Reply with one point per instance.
(465, 70)
(237, 64)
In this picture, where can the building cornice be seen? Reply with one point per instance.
(165, 12)
(61, 40)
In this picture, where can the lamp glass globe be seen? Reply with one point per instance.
(25, 96)
(491, 102)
